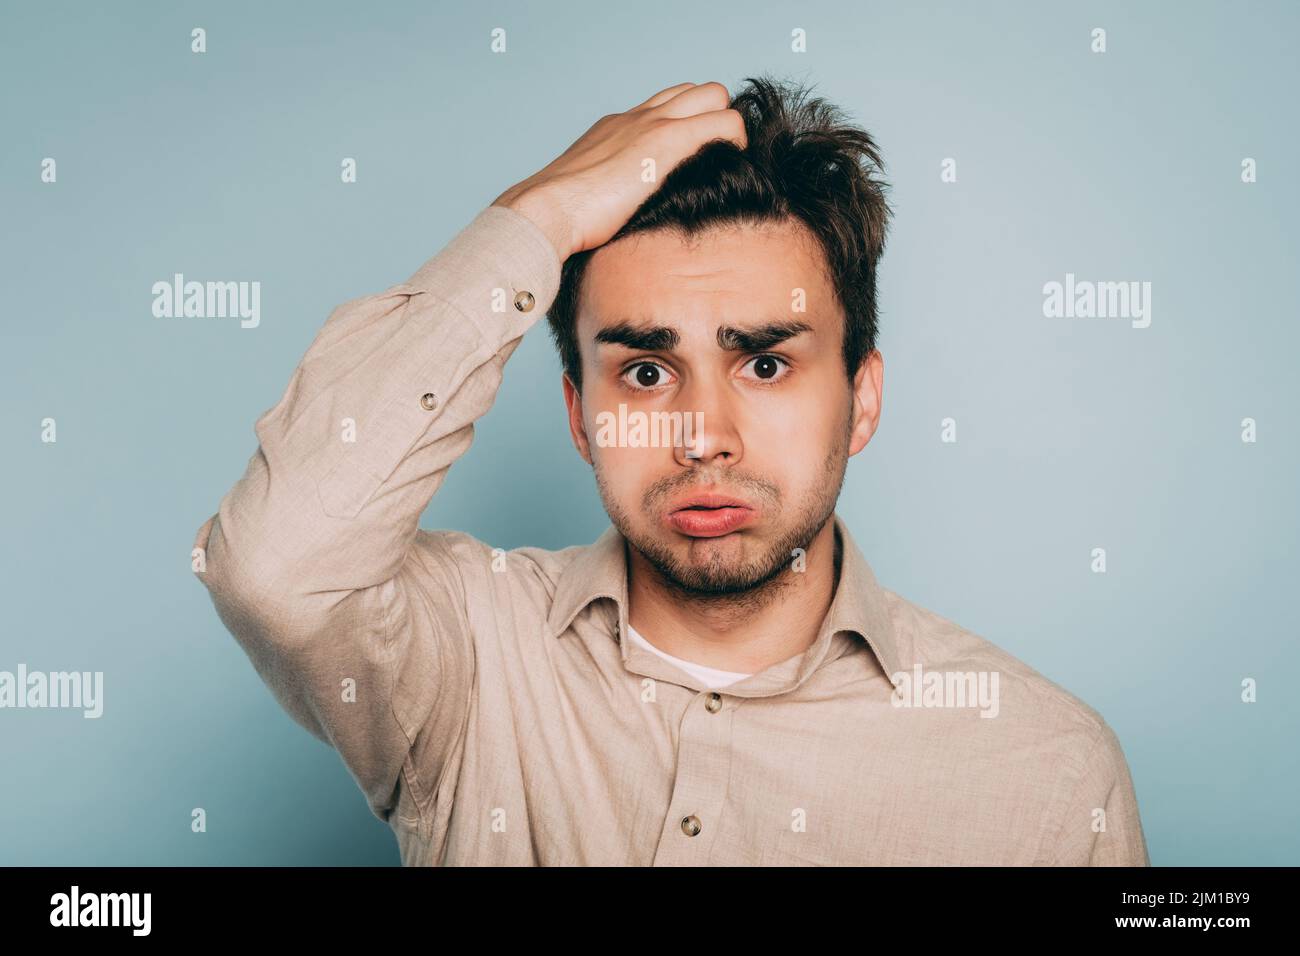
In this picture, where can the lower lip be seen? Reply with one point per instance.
(710, 522)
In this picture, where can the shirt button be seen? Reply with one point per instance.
(429, 400)
(524, 301)
(714, 703)
(691, 825)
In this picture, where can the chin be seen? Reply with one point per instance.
(731, 550)
(729, 564)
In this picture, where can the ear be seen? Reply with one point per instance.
(577, 430)
(868, 386)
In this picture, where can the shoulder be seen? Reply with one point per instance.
(1053, 750)
(1032, 706)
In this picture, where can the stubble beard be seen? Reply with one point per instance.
(752, 582)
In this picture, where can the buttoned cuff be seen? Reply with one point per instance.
(500, 263)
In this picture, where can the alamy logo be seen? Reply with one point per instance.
(1098, 300)
(102, 909)
(208, 300)
(650, 430)
(947, 689)
(71, 689)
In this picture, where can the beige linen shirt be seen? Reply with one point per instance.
(487, 706)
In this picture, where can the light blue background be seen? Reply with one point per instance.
(1073, 434)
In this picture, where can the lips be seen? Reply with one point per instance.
(709, 515)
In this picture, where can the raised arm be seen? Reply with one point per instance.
(308, 558)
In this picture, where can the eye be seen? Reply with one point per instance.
(646, 375)
(767, 368)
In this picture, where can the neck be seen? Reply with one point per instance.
(744, 632)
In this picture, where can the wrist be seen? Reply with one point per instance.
(544, 213)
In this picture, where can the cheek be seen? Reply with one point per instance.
(801, 426)
(628, 472)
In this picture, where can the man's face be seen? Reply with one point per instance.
(735, 341)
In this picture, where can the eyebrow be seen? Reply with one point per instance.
(761, 338)
(643, 338)
(662, 338)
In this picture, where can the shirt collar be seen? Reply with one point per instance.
(858, 607)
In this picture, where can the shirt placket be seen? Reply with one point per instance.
(700, 786)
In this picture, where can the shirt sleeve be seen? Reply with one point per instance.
(310, 558)
(1101, 825)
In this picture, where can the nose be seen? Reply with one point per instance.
(710, 433)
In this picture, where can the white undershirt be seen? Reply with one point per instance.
(710, 677)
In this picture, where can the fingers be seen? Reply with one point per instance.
(663, 96)
(725, 124)
(699, 98)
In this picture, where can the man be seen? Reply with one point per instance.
(719, 679)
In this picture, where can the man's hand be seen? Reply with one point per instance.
(586, 195)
